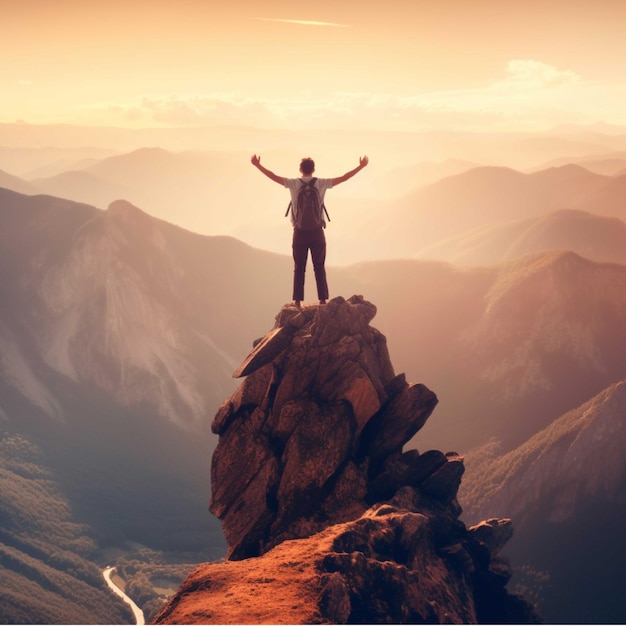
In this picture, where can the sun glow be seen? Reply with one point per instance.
(401, 65)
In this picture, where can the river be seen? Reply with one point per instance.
(137, 612)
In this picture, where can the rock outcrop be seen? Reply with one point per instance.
(315, 492)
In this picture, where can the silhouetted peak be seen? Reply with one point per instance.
(489, 174)
(124, 210)
(527, 278)
(564, 173)
(136, 226)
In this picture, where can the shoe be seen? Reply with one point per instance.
(322, 301)
(298, 304)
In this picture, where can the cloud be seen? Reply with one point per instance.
(529, 95)
(301, 22)
(526, 83)
(527, 73)
(218, 108)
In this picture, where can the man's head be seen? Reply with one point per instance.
(307, 166)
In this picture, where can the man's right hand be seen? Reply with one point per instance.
(256, 161)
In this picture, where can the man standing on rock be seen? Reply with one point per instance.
(308, 229)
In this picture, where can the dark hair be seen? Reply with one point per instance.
(307, 166)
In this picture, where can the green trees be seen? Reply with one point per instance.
(46, 575)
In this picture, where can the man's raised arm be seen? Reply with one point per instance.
(363, 161)
(256, 161)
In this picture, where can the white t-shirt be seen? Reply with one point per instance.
(294, 184)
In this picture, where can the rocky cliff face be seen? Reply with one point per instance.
(123, 303)
(578, 460)
(316, 494)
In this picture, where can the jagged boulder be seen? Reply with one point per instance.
(319, 418)
(310, 478)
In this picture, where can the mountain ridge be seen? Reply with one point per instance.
(200, 191)
(125, 260)
(565, 486)
(491, 194)
(593, 236)
(564, 452)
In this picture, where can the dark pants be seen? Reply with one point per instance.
(303, 241)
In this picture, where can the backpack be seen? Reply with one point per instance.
(308, 213)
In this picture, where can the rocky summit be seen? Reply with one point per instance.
(326, 517)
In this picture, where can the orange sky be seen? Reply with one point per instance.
(406, 64)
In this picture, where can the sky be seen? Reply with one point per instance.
(389, 65)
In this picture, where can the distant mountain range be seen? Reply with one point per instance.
(595, 237)
(120, 332)
(8, 181)
(489, 196)
(521, 150)
(406, 207)
(34, 161)
(612, 164)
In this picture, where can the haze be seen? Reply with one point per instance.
(401, 64)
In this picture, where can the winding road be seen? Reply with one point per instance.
(137, 612)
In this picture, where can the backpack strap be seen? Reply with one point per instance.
(323, 205)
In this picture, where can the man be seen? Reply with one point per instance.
(310, 239)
